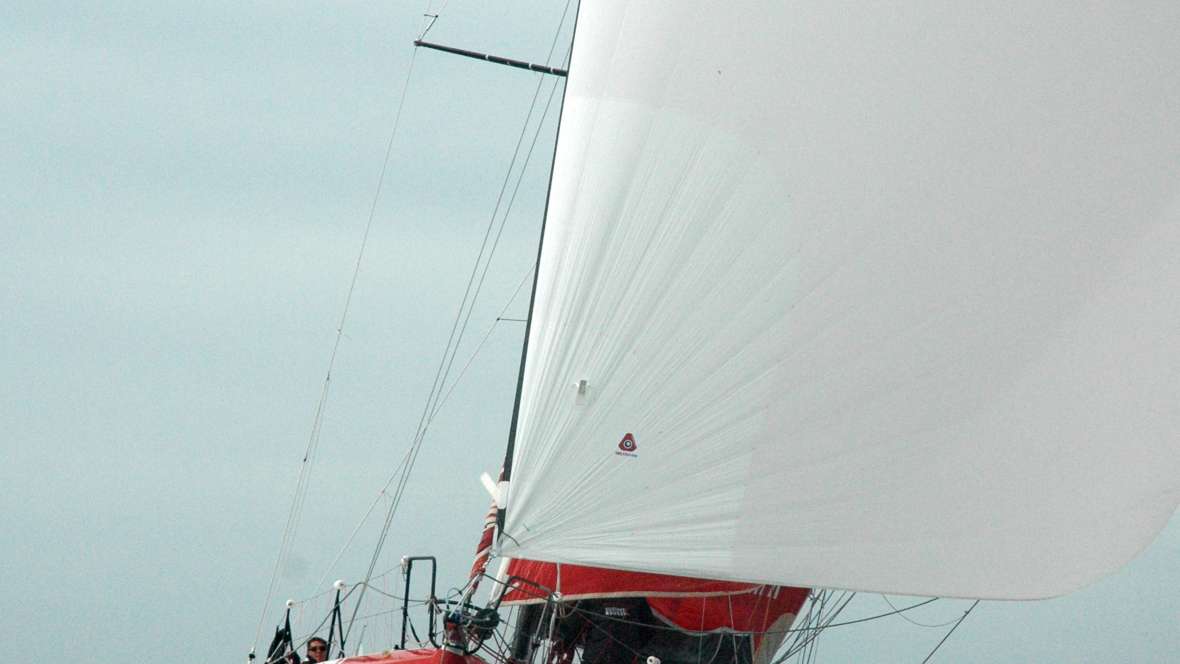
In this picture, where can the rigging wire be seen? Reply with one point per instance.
(302, 641)
(512, 198)
(822, 612)
(293, 516)
(791, 630)
(809, 642)
(348, 543)
(486, 336)
(298, 643)
(880, 615)
(434, 403)
(809, 645)
(915, 622)
(305, 600)
(790, 643)
(827, 606)
(467, 303)
(804, 629)
(952, 631)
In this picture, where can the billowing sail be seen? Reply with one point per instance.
(870, 296)
(575, 582)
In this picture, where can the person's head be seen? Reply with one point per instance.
(317, 649)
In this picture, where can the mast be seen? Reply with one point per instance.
(506, 473)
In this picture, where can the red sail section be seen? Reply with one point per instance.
(582, 582)
(693, 605)
(756, 611)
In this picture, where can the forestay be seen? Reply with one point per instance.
(879, 297)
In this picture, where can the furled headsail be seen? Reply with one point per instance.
(878, 297)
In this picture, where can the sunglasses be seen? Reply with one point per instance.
(315, 648)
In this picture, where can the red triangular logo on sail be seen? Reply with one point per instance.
(627, 444)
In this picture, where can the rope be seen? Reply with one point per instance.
(821, 615)
(876, 617)
(822, 622)
(952, 631)
(793, 630)
(295, 513)
(790, 644)
(915, 622)
(488, 334)
(303, 640)
(508, 208)
(380, 494)
(467, 303)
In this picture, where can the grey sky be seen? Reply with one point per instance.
(182, 195)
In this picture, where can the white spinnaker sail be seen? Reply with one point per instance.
(886, 294)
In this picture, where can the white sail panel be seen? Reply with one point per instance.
(885, 296)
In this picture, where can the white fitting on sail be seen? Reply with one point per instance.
(879, 297)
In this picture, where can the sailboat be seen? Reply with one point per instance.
(860, 298)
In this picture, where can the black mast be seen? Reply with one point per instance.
(506, 473)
